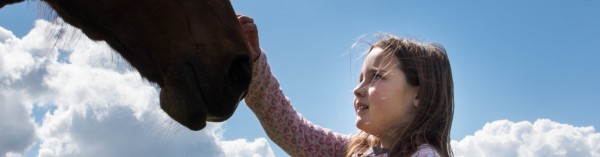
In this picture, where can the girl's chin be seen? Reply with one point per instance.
(361, 124)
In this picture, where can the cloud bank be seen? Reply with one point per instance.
(64, 95)
(543, 138)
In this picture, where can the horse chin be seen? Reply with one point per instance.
(184, 112)
(184, 101)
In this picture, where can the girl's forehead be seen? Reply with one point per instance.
(377, 57)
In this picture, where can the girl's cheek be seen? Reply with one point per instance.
(378, 95)
(375, 97)
(375, 89)
(372, 92)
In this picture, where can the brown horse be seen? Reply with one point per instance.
(193, 49)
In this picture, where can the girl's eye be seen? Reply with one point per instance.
(374, 76)
(377, 76)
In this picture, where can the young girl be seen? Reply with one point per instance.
(404, 104)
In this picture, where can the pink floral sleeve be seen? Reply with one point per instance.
(288, 129)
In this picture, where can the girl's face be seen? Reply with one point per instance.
(383, 98)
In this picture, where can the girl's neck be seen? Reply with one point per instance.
(385, 142)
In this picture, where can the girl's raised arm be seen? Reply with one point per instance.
(288, 129)
(283, 125)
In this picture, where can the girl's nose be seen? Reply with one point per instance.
(359, 90)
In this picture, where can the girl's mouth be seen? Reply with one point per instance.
(361, 107)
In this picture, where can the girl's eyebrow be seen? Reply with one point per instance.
(372, 70)
(376, 70)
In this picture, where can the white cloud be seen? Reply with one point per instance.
(17, 129)
(240, 147)
(86, 101)
(544, 138)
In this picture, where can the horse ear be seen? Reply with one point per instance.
(6, 2)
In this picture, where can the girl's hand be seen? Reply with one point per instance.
(251, 32)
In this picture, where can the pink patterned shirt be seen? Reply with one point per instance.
(288, 129)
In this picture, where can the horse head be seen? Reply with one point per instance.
(193, 49)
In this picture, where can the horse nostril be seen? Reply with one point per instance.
(240, 74)
(237, 80)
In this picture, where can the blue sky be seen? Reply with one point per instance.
(511, 60)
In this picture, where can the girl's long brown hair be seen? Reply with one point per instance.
(425, 65)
